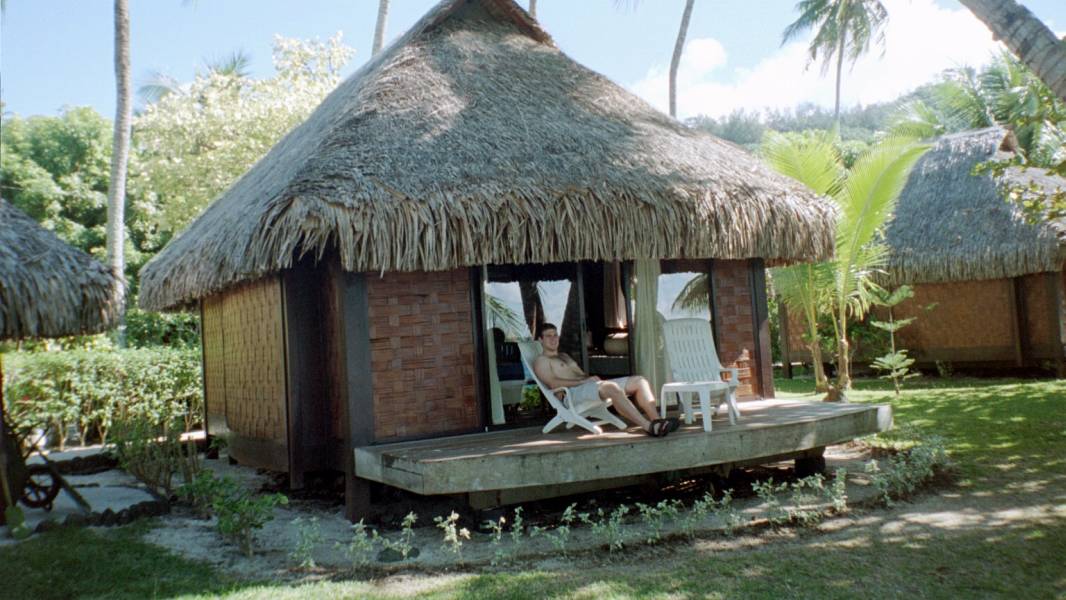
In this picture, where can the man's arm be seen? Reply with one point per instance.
(542, 368)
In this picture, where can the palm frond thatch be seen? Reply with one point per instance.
(47, 288)
(953, 225)
(473, 140)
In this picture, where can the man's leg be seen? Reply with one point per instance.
(611, 390)
(640, 389)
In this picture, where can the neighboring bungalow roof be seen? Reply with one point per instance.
(952, 225)
(474, 140)
(47, 288)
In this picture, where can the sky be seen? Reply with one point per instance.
(56, 53)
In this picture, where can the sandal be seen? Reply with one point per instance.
(672, 424)
(658, 428)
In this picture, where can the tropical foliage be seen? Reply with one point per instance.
(199, 138)
(844, 29)
(865, 196)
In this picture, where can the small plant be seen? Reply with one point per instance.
(560, 536)
(361, 547)
(308, 537)
(805, 505)
(150, 451)
(767, 492)
(453, 535)
(656, 517)
(517, 529)
(726, 514)
(610, 527)
(201, 492)
(836, 493)
(696, 514)
(496, 537)
(896, 364)
(240, 512)
(944, 369)
(909, 469)
(404, 543)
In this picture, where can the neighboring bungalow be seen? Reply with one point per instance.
(360, 286)
(994, 279)
(47, 289)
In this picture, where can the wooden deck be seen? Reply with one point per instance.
(525, 458)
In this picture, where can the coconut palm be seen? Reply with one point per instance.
(379, 27)
(805, 289)
(843, 28)
(116, 191)
(679, 47)
(865, 197)
(236, 66)
(1029, 38)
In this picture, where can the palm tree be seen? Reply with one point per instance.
(805, 289)
(379, 27)
(1026, 36)
(533, 8)
(236, 66)
(679, 47)
(116, 192)
(843, 28)
(865, 197)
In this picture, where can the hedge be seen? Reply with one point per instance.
(91, 389)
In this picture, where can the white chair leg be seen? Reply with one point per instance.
(686, 406)
(705, 409)
(605, 415)
(556, 421)
(663, 402)
(734, 412)
(586, 424)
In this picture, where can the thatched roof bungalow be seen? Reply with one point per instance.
(47, 288)
(344, 280)
(993, 277)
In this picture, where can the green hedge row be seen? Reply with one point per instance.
(92, 389)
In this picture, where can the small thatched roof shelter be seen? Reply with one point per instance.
(474, 140)
(953, 225)
(47, 288)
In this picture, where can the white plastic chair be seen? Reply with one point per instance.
(589, 417)
(692, 366)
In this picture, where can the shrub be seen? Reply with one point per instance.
(153, 452)
(90, 389)
(308, 537)
(176, 330)
(241, 512)
(906, 471)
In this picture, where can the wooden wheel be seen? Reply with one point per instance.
(41, 487)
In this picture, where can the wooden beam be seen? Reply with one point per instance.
(785, 335)
(1019, 326)
(712, 297)
(357, 406)
(481, 362)
(764, 373)
(579, 281)
(1055, 316)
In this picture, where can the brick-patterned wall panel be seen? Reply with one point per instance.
(735, 326)
(422, 353)
(254, 360)
(972, 317)
(214, 366)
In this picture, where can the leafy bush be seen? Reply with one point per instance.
(91, 389)
(178, 330)
(241, 512)
(308, 537)
(902, 474)
(152, 452)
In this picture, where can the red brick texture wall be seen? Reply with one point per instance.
(422, 354)
(736, 326)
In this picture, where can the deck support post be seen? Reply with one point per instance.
(357, 406)
(1019, 330)
(764, 364)
(1058, 336)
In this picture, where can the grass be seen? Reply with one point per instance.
(1008, 438)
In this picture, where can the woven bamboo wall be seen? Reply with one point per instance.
(972, 320)
(422, 353)
(254, 360)
(736, 326)
(214, 366)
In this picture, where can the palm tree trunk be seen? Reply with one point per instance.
(840, 74)
(1027, 37)
(379, 28)
(675, 61)
(116, 192)
(533, 8)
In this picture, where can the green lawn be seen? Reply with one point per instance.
(1007, 437)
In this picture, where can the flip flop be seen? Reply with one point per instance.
(658, 428)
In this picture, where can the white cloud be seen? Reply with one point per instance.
(921, 40)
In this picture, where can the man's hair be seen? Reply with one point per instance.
(544, 327)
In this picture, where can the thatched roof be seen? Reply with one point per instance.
(47, 288)
(952, 225)
(474, 140)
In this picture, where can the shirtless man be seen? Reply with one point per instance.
(556, 369)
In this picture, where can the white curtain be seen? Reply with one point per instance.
(614, 305)
(495, 396)
(647, 334)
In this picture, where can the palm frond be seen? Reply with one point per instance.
(811, 159)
